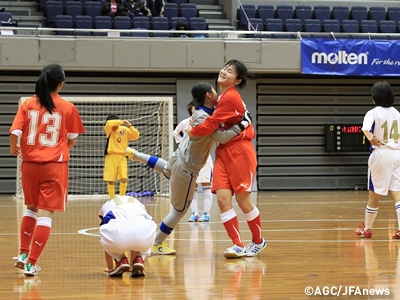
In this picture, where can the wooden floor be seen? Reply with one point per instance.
(311, 247)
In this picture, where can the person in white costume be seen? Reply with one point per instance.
(126, 227)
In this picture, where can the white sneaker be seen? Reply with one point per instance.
(235, 252)
(31, 270)
(21, 260)
(253, 249)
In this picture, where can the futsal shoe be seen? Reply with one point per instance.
(162, 249)
(138, 267)
(21, 260)
(130, 153)
(205, 218)
(362, 232)
(120, 267)
(193, 218)
(253, 249)
(396, 236)
(31, 270)
(235, 252)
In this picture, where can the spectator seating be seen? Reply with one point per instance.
(102, 22)
(160, 23)
(123, 22)
(175, 20)
(5, 17)
(179, 2)
(282, 18)
(322, 12)
(340, 13)
(284, 12)
(198, 23)
(303, 12)
(377, 13)
(387, 26)
(64, 21)
(330, 26)
(359, 13)
(188, 10)
(255, 24)
(393, 13)
(350, 26)
(73, 8)
(53, 9)
(369, 26)
(274, 25)
(84, 1)
(136, 33)
(312, 25)
(246, 11)
(293, 25)
(92, 8)
(265, 11)
(171, 10)
(83, 22)
(141, 22)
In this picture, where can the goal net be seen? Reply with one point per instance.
(152, 116)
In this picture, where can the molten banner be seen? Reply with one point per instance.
(350, 57)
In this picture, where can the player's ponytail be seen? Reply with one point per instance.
(199, 91)
(50, 78)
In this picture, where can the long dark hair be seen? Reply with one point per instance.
(199, 91)
(52, 75)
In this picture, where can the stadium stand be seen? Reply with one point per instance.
(102, 22)
(160, 23)
(303, 12)
(83, 22)
(359, 13)
(64, 21)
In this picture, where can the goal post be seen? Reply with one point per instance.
(152, 116)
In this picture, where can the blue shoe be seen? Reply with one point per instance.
(205, 218)
(193, 218)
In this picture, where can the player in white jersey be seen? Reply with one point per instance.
(126, 226)
(204, 178)
(381, 126)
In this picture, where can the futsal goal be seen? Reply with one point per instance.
(152, 116)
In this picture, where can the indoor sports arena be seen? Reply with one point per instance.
(311, 65)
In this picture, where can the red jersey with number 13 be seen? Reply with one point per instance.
(44, 134)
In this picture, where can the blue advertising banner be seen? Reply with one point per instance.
(350, 57)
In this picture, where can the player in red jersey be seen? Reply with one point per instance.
(47, 127)
(235, 162)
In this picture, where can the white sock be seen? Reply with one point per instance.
(370, 215)
(397, 206)
(208, 198)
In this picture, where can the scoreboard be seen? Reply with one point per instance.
(345, 138)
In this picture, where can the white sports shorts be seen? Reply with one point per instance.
(205, 174)
(384, 171)
(119, 236)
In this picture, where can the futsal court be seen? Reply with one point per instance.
(311, 247)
